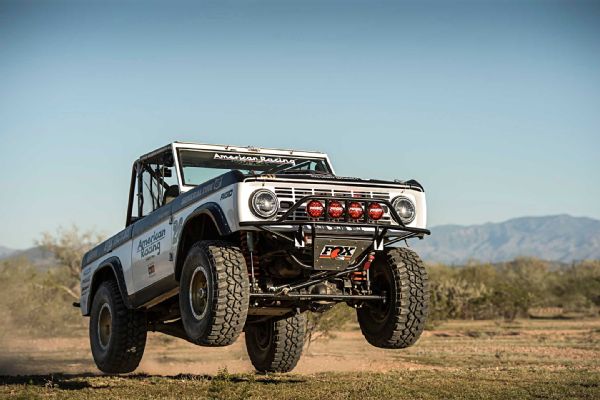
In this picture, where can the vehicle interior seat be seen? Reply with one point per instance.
(170, 194)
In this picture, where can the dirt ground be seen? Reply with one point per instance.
(454, 344)
(480, 349)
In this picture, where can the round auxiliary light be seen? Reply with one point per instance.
(315, 209)
(375, 211)
(264, 203)
(405, 208)
(355, 210)
(335, 209)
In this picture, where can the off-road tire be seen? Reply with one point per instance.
(124, 345)
(227, 294)
(400, 321)
(276, 345)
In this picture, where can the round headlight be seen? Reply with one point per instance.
(264, 203)
(405, 209)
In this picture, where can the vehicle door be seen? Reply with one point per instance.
(151, 255)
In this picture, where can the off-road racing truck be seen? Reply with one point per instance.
(223, 239)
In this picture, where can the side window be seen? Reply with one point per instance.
(134, 209)
(150, 193)
(154, 186)
(143, 203)
(158, 186)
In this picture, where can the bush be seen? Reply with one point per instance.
(34, 303)
(509, 290)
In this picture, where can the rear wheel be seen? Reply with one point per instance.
(214, 293)
(117, 334)
(276, 345)
(397, 323)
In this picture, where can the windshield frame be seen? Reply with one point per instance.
(244, 151)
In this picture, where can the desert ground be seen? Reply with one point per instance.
(457, 359)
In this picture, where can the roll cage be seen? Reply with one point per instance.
(149, 183)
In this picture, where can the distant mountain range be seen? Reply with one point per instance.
(37, 255)
(6, 252)
(555, 238)
(560, 238)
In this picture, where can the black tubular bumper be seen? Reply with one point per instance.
(326, 225)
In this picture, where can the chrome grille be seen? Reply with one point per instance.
(288, 196)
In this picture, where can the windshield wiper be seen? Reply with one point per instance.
(289, 167)
(283, 167)
(308, 171)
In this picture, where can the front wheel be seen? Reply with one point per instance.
(397, 323)
(214, 293)
(276, 345)
(117, 334)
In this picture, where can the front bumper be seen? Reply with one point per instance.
(316, 232)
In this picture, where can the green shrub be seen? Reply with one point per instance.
(508, 290)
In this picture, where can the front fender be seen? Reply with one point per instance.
(210, 210)
(109, 268)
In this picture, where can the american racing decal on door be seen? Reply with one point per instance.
(151, 245)
(335, 252)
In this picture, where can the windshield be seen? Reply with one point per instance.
(198, 166)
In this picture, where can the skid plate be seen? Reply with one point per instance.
(331, 254)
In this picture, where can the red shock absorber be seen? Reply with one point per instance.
(369, 261)
(363, 274)
(358, 276)
(247, 247)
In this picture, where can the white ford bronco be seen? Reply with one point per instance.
(224, 239)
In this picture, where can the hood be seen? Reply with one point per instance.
(333, 179)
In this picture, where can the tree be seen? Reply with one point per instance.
(68, 247)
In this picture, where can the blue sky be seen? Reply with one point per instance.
(493, 106)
